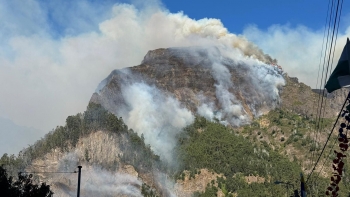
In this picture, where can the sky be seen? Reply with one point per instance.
(237, 14)
(53, 54)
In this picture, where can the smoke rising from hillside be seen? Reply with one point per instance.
(53, 76)
(39, 71)
(158, 117)
(262, 94)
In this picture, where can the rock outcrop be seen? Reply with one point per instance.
(236, 91)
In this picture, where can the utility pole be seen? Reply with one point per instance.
(79, 175)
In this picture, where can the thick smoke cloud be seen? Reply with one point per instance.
(49, 69)
(298, 49)
(157, 116)
(52, 75)
(265, 80)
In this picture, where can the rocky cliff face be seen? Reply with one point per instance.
(301, 99)
(161, 96)
(100, 154)
(213, 84)
(233, 90)
(104, 172)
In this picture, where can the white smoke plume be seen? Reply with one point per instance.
(157, 116)
(160, 117)
(298, 49)
(53, 75)
(167, 184)
(231, 105)
(262, 93)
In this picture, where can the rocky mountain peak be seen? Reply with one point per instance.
(201, 78)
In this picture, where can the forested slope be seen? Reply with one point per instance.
(256, 150)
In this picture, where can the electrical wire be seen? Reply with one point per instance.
(329, 136)
(318, 76)
(320, 97)
(53, 172)
(46, 172)
(328, 64)
(331, 53)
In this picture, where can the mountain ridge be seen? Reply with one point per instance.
(149, 121)
(188, 72)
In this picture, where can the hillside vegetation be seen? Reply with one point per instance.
(213, 146)
(275, 147)
(65, 138)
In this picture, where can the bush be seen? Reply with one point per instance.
(23, 186)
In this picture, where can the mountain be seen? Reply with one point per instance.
(199, 77)
(175, 84)
(188, 121)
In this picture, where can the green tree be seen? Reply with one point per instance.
(22, 187)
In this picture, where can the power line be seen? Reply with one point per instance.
(331, 65)
(46, 172)
(330, 50)
(79, 176)
(320, 98)
(327, 70)
(329, 136)
(336, 34)
(318, 75)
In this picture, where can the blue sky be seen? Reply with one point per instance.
(53, 54)
(234, 14)
(237, 14)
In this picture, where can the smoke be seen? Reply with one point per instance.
(231, 105)
(51, 61)
(255, 82)
(166, 183)
(157, 116)
(95, 181)
(298, 49)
